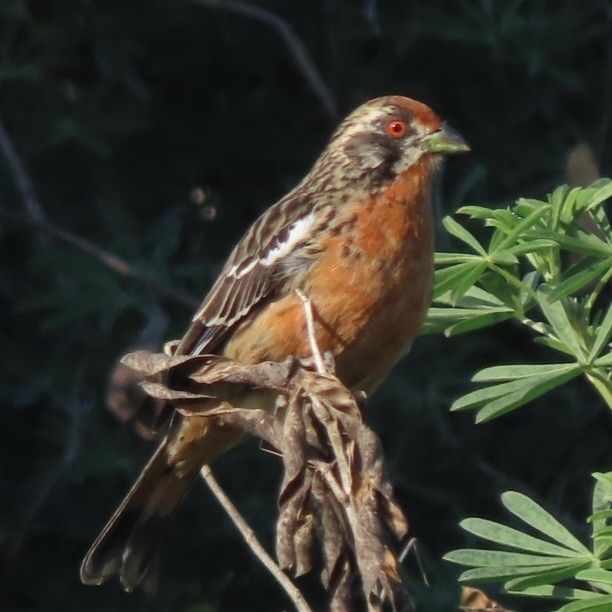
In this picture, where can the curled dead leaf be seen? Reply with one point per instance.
(334, 489)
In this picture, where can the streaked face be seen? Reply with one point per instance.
(386, 136)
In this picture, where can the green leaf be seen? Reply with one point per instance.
(502, 398)
(586, 244)
(605, 530)
(606, 360)
(557, 197)
(529, 391)
(524, 225)
(602, 603)
(522, 385)
(603, 335)
(531, 246)
(555, 574)
(533, 514)
(478, 557)
(600, 196)
(454, 258)
(462, 313)
(575, 282)
(563, 210)
(552, 591)
(496, 573)
(524, 206)
(477, 212)
(447, 278)
(468, 280)
(605, 478)
(557, 316)
(474, 298)
(597, 516)
(511, 372)
(502, 534)
(555, 345)
(601, 512)
(601, 578)
(477, 322)
(505, 257)
(474, 398)
(601, 220)
(602, 381)
(462, 234)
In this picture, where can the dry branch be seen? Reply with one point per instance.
(23, 182)
(108, 259)
(249, 537)
(334, 490)
(298, 51)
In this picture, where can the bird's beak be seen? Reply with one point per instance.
(445, 141)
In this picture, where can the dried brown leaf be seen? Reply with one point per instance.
(369, 542)
(334, 486)
(293, 446)
(340, 591)
(126, 399)
(149, 363)
(291, 518)
(304, 540)
(161, 391)
(329, 530)
(266, 375)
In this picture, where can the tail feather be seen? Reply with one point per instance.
(127, 544)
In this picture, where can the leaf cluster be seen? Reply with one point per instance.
(545, 266)
(546, 562)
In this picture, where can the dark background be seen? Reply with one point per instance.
(113, 112)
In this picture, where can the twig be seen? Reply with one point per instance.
(75, 410)
(24, 185)
(300, 55)
(110, 260)
(312, 338)
(251, 539)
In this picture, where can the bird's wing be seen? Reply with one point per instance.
(256, 269)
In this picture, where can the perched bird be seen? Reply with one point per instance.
(356, 237)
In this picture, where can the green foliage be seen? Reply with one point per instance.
(545, 564)
(545, 265)
(118, 110)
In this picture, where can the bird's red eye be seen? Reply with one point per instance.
(397, 128)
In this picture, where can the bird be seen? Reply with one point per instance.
(356, 237)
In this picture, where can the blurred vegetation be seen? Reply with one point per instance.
(157, 131)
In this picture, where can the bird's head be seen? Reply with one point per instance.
(386, 136)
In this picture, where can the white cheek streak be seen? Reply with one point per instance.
(297, 232)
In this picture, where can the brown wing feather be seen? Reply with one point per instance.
(252, 272)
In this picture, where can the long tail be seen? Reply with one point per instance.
(129, 540)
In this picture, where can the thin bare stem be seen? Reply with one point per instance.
(300, 55)
(251, 539)
(22, 179)
(312, 338)
(75, 410)
(108, 259)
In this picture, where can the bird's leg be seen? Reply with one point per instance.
(314, 347)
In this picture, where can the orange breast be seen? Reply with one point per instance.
(370, 289)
